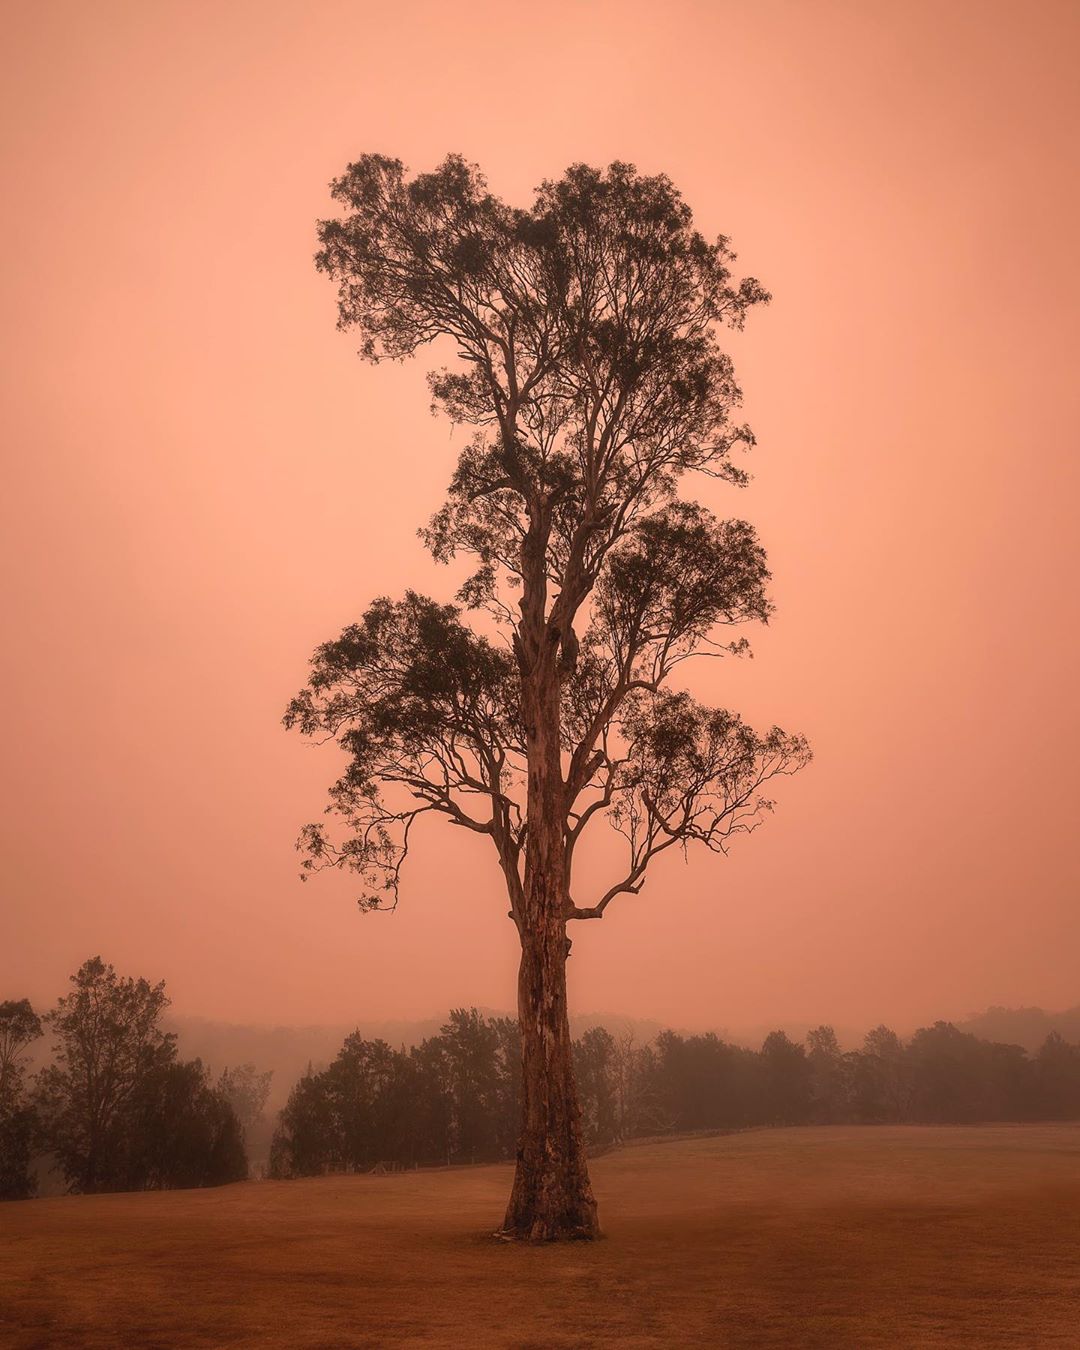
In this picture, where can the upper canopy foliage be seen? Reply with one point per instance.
(586, 329)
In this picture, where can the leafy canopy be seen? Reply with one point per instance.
(590, 374)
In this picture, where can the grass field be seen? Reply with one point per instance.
(806, 1237)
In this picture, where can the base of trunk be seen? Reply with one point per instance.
(543, 1232)
(550, 1205)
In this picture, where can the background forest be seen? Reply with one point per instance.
(111, 1106)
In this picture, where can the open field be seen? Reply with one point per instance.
(824, 1237)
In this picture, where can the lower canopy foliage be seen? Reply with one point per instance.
(428, 713)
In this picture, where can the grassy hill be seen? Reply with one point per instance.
(816, 1237)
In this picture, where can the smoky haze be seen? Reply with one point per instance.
(203, 482)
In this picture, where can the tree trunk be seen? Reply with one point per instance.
(552, 1197)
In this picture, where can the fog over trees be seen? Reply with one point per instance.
(454, 1098)
(114, 1107)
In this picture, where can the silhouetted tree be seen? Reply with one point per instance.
(828, 1076)
(470, 1046)
(508, 1123)
(956, 1077)
(624, 1058)
(640, 1107)
(118, 1111)
(706, 1083)
(786, 1080)
(429, 1137)
(107, 1042)
(590, 371)
(1057, 1079)
(19, 1027)
(595, 1067)
(359, 1080)
(181, 1131)
(881, 1078)
(308, 1140)
(371, 1105)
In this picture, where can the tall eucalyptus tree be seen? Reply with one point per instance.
(588, 367)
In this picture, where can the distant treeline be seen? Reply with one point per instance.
(455, 1097)
(116, 1109)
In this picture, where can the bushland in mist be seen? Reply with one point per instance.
(455, 1097)
(115, 1108)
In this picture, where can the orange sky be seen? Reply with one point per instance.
(202, 481)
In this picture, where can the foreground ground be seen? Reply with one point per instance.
(818, 1237)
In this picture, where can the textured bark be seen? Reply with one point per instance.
(552, 1197)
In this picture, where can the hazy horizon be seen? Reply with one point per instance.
(204, 482)
(741, 1030)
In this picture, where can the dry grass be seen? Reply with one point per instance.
(806, 1238)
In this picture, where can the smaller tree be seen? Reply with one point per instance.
(786, 1075)
(1057, 1079)
(19, 1027)
(597, 1080)
(949, 1075)
(471, 1046)
(430, 1111)
(359, 1082)
(509, 1084)
(118, 1110)
(646, 1112)
(182, 1131)
(828, 1076)
(307, 1140)
(881, 1086)
(107, 1042)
